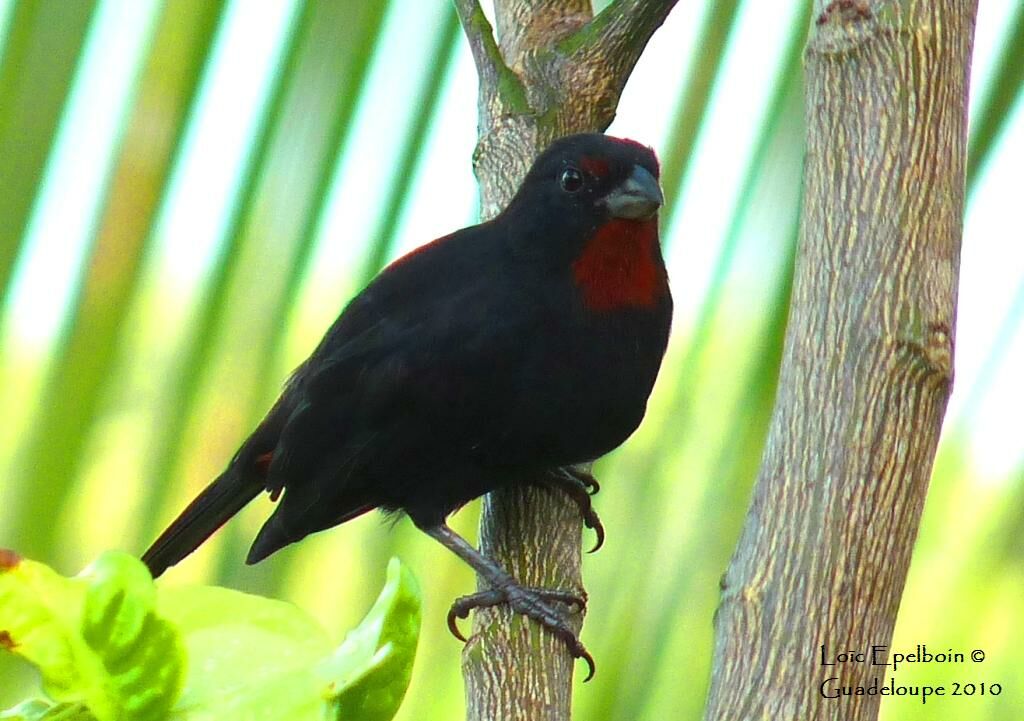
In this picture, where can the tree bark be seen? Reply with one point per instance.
(554, 69)
(867, 367)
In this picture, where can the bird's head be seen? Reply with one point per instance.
(590, 205)
(581, 183)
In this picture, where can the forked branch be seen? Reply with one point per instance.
(613, 41)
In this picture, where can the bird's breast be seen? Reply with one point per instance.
(590, 378)
(620, 266)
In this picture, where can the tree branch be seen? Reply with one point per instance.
(531, 92)
(617, 35)
(527, 25)
(867, 366)
(490, 65)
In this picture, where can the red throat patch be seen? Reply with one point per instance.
(618, 266)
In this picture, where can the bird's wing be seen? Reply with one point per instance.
(437, 369)
(419, 387)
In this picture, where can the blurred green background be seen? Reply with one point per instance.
(191, 189)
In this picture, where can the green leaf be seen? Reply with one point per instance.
(369, 674)
(96, 638)
(38, 709)
(112, 645)
(250, 657)
(140, 651)
(255, 658)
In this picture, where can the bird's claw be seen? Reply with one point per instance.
(580, 486)
(457, 611)
(591, 521)
(462, 606)
(588, 481)
(533, 603)
(573, 476)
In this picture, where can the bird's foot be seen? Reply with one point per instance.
(535, 603)
(580, 486)
(492, 597)
(575, 476)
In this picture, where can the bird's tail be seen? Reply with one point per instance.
(222, 499)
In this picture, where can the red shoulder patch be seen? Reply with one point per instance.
(263, 462)
(619, 266)
(401, 260)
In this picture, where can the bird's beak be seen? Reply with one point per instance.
(638, 198)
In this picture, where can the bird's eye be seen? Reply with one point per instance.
(571, 180)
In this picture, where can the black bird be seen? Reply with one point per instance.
(504, 352)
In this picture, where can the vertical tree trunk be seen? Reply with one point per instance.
(867, 367)
(554, 69)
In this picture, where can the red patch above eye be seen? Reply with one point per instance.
(630, 143)
(598, 167)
